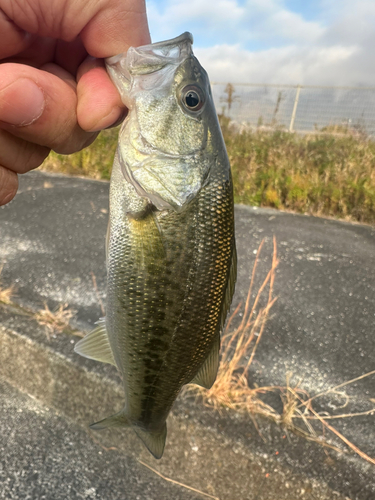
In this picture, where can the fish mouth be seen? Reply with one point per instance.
(185, 37)
(147, 59)
(170, 50)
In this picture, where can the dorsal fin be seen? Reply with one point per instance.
(207, 372)
(230, 288)
(107, 238)
(95, 345)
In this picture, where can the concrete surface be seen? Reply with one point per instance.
(321, 331)
(49, 457)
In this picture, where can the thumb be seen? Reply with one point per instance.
(40, 107)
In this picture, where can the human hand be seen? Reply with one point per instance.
(54, 89)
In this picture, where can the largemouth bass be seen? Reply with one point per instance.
(171, 257)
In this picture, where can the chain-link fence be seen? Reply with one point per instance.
(300, 108)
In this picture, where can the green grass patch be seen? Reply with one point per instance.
(324, 175)
(94, 161)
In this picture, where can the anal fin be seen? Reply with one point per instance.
(95, 345)
(207, 372)
(116, 420)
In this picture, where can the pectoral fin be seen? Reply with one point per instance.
(95, 345)
(207, 373)
(147, 242)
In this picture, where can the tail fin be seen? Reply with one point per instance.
(154, 441)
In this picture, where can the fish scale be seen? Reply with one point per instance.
(171, 258)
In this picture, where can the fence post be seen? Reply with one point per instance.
(294, 109)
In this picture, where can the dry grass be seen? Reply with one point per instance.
(55, 321)
(168, 479)
(6, 294)
(232, 389)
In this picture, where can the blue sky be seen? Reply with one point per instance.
(322, 42)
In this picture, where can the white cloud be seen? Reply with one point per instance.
(264, 41)
(289, 25)
(224, 10)
(288, 65)
(264, 20)
(270, 21)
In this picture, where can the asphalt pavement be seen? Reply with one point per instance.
(320, 335)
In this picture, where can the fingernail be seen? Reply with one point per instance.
(120, 119)
(21, 103)
(114, 118)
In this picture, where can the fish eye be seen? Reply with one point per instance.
(192, 98)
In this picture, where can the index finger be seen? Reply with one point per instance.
(116, 27)
(106, 27)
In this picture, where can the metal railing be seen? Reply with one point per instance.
(300, 108)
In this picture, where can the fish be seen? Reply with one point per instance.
(170, 244)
